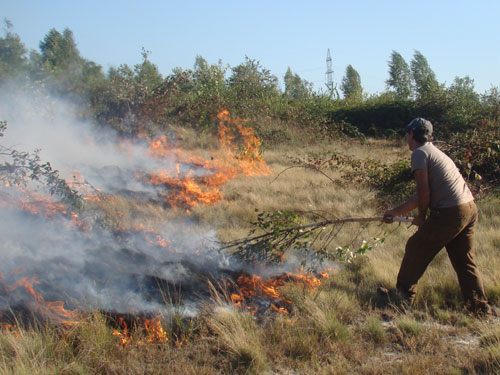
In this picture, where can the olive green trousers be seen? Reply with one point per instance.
(452, 228)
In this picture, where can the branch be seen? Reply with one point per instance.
(280, 235)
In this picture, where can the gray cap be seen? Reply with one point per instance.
(420, 124)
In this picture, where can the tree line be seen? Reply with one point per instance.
(137, 98)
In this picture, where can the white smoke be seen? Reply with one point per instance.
(121, 272)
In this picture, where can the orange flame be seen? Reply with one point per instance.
(155, 334)
(154, 331)
(241, 156)
(124, 334)
(53, 311)
(255, 287)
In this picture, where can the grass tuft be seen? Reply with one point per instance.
(238, 333)
(374, 330)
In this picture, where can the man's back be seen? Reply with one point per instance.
(447, 186)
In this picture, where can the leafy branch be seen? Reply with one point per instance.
(19, 168)
(282, 230)
(390, 180)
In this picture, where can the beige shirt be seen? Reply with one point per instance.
(447, 186)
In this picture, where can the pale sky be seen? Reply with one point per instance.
(457, 37)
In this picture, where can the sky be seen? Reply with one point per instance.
(459, 38)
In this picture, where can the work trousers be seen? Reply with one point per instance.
(453, 228)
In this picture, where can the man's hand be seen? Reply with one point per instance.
(409, 205)
(389, 216)
(418, 220)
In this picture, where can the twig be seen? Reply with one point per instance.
(302, 166)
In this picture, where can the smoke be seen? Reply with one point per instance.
(119, 271)
(36, 120)
(50, 253)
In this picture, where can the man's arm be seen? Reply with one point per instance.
(423, 195)
(420, 200)
(409, 205)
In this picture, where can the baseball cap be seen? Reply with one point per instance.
(420, 124)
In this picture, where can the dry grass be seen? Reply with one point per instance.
(334, 329)
(237, 332)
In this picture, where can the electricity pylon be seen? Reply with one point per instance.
(332, 88)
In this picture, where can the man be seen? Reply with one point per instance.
(451, 222)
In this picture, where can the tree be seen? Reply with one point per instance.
(296, 87)
(252, 87)
(490, 101)
(60, 65)
(209, 92)
(423, 76)
(464, 103)
(58, 50)
(129, 98)
(399, 76)
(12, 54)
(351, 85)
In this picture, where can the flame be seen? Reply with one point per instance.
(7, 326)
(253, 286)
(194, 180)
(281, 310)
(154, 331)
(123, 334)
(37, 204)
(16, 197)
(155, 334)
(53, 311)
(184, 191)
(240, 156)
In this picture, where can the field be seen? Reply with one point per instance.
(336, 326)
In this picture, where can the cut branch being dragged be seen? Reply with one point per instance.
(282, 231)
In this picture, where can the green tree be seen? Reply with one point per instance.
(423, 76)
(351, 85)
(59, 63)
(464, 103)
(59, 51)
(130, 98)
(209, 91)
(490, 101)
(296, 87)
(252, 87)
(400, 78)
(147, 75)
(12, 54)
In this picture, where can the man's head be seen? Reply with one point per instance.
(420, 129)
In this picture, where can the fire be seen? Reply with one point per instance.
(240, 156)
(254, 287)
(124, 333)
(184, 191)
(35, 203)
(79, 184)
(193, 181)
(154, 332)
(53, 311)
